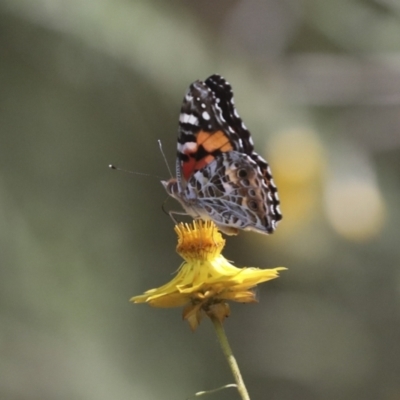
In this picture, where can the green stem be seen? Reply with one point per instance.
(226, 348)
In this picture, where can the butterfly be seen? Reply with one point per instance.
(219, 177)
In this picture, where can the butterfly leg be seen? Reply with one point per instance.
(172, 213)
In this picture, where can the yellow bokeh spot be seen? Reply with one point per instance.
(355, 208)
(298, 160)
(297, 156)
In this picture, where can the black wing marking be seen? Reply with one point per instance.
(224, 95)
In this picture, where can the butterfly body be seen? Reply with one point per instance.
(218, 175)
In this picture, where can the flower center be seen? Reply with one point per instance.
(199, 241)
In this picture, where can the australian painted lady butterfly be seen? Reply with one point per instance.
(219, 177)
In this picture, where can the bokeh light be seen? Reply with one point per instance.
(299, 162)
(355, 208)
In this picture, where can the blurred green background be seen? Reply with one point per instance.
(88, 83)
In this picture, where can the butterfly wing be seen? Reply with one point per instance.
(219, 176)
(231, 191)
(224, 95)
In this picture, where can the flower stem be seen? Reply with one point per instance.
(226, 348)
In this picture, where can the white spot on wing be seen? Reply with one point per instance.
(188, 119)
(203, 105)
(205, 115)
(188, 147)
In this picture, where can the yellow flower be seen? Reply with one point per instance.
(206, 280)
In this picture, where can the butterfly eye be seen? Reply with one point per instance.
(242, 173)
(252, 205)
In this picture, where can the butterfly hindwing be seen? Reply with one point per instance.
(232, 193)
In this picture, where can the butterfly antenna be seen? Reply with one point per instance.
(112, 166)
(165, 158)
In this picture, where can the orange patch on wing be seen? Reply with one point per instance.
(203, 162)
(210, 141)
(214, 141)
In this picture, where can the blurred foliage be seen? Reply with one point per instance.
(88, 83)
